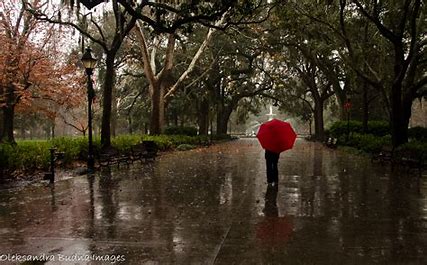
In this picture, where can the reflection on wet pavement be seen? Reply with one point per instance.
(213, 206)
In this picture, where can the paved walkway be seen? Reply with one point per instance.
(212, 206)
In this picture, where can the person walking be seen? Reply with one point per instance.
(272, 159)
(275, 136)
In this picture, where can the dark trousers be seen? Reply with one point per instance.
(271, 160)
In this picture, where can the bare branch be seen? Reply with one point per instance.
(387, 33)
(43, 17)
(98, 28)
(194, 60)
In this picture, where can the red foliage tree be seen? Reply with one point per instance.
(34, 67)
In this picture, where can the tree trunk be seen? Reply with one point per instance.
(157, 109)
(399, 123)
(52, 129)
(319, 130)
(9, 115)
(221, 126)
(107, 100)
(341, 98)
(1, 125)
(175, 118)
(219, 119)
(406, 116)
(114, 113)
(130, 129)
(222, 121)
(365, 107)
(203, 119)
(8, 123)
(399, 134)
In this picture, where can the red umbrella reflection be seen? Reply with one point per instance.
(273, 231)
(276, 136)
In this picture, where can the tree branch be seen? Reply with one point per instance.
(193, 62)
(43, 17)
(145, 57)
(387, 33)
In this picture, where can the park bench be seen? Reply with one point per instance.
(384, 155)
(112, 156)
(147, 150)
(331, 142)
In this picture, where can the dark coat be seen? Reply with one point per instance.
(271, 156)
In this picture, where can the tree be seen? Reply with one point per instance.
(304, 64)
(403, 25)
(164, 17)
(390, 55)
(109, 39)
(167, 21)
(160, 83)
(28, 71)
(319, 88)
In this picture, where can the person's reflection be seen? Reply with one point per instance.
(270, 207)
(265, 230)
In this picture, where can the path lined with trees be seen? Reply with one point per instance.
(183, 63)
(212, 206)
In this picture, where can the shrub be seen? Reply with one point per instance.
(26, 155)
(181, 139)
(124, 142)
(204, 139)
(418, 134)
(417, 147)
(340, 128)
(30, 155)
(379, 128)
(368, 142)
(180, 130)
(163, 142)
(73, 148)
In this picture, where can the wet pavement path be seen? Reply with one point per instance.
(212, 206)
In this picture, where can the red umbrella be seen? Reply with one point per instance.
(274, 230)
(276, 136)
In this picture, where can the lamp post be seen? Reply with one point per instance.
(347, 107)
(89, 63)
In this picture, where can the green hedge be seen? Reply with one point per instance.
(377, 128)
(420, 148)
(27, 155)
(340, 128)
(367, 142)
(180, 130)
(378, 137)
(74, 148)
(32, 155)
(124, 142)
(418, 134)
